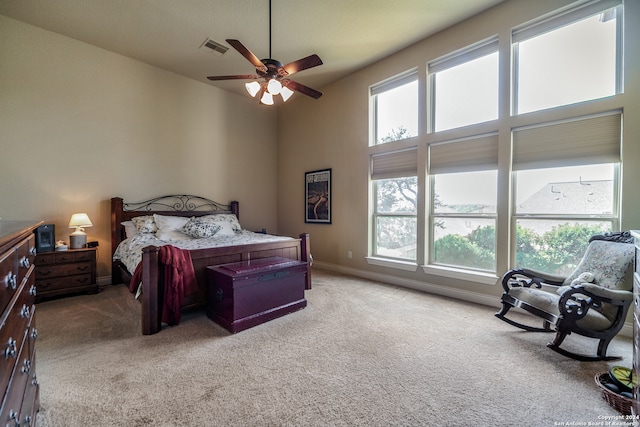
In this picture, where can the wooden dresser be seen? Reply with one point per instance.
(66, 272)
(18, 382)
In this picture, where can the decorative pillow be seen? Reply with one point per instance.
(169, 227)
(145, 224)
(201, 227)
(231, 219)
(226, 229)
(130, 229)
(608, 261)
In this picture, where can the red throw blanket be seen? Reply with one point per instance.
(179, 280)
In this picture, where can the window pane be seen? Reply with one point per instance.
(466, 94)
(571, 64)
(467, 192)
(397, 113)
(554, 246)
(397, 195)
(578, 190)
(465, 242)
(396, 236)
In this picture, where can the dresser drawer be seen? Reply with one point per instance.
(59, 270)
(12, 404)
(68, 282)
(8, 277)
(26, 254)
(13, 333)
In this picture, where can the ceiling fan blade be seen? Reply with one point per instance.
(301, 64)
(236, 77)
(247, 54)
(303, 89)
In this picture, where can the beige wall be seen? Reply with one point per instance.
(79, 125)
(333, 133)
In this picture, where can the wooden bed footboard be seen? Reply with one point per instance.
(187, 205)
(152, 281)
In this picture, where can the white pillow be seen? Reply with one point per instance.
(169, 227)
(226, 229)
(130, 229)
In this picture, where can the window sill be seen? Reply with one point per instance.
(476, 276)
(400, 265)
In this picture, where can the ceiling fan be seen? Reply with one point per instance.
(272, 78)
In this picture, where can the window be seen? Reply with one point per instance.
(395, 190)
(565, 189)
(464, 204)
(570, 58)
(395, 107)
(464, 87)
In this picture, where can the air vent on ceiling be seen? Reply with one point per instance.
(213, 46)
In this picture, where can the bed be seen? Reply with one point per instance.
(249, 246)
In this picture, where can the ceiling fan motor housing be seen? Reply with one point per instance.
(273, 68)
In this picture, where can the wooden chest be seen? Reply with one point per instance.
(249, 293)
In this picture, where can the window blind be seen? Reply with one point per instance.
(584, 141)
(465, 155)
(395, 164)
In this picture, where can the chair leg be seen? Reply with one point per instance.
(505, 308)
(602, 350)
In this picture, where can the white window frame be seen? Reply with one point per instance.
(557, 20)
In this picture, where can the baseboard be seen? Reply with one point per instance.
(104, 281)
(460, 294)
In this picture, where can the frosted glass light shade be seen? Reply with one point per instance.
(285, 93)
(274, 86)
(253, 88)
(267, 98)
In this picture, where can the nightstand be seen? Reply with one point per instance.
(66, 272)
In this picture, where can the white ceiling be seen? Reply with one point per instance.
(346, 34)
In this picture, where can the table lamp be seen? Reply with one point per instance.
(78, 239)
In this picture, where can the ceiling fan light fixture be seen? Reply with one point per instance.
(267, 98)
(253, 88)
(285, 93)
(274, 87)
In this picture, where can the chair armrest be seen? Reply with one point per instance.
(576, 300)
(606, 295)
(526, 277)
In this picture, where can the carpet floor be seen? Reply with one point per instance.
(362, 353)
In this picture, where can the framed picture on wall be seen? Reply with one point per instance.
(318, 196)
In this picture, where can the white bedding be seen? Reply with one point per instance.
(129, 252)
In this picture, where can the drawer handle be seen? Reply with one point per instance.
(44, 272)
(34, 333)
(13, 416)
(25, 312)
(26, 366)
(34, 380)
(33, 251)
(33, 290)
(83, 268)
(11, 349)
(24, 262)
(10, 280)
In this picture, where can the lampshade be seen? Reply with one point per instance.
(274, 86)
(253, 87)
(285, 93)
(267, 98)
(79, 220)
(78, 239)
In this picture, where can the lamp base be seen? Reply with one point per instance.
(77, 241)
